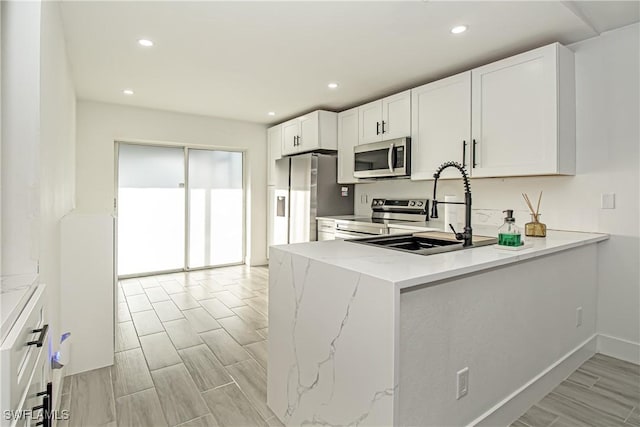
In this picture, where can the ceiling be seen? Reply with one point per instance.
(240, 60)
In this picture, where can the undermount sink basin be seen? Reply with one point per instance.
(421, 245)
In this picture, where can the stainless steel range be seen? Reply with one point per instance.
(383, 213)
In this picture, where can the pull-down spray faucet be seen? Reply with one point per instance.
(467, 234)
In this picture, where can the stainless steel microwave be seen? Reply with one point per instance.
(384, 159)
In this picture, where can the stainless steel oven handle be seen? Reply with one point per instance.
(390, 157)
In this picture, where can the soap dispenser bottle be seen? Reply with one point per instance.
(509, 234)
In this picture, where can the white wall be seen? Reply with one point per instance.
(57, 154)
(100, 124)
(20, 136)
(608, 141)
(38, 145)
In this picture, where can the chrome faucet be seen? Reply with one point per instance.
(467, 234)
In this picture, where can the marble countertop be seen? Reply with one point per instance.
(15, 291)
(406, 270)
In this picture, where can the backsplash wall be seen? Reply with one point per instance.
(565, 203)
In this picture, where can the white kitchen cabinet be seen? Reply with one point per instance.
(347, 140)
(314, 131)
(385, 119)
(326, 229)
(290, 131)
(523, 112)
(440, 126)
(24, 360)
(274, 152)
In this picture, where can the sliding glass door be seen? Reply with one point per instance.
(170, 219)
(216, 208)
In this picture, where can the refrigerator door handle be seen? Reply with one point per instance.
(281, 206)
(390, 157)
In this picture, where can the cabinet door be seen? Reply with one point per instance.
(347, 140)
(308, 132)
(396, 116)
(441, 126)
(515, 114)
(274, 152)
(370, 122)
(290, 137)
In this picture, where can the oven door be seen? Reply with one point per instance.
(382, 159)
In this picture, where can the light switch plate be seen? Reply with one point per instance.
(608, 200)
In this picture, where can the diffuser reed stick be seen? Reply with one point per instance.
(534, 228)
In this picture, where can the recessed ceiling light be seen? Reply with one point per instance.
(459, 29)
(271, 113)
(127, 92)
(145, 42)
(333, 85)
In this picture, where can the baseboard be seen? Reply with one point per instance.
(257, 262)
(517, 403)
(619, 348)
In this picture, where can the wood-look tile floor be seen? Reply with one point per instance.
(191, 350)
(603, 392)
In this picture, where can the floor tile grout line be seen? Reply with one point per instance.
(246, 396)
(598, 411)
(136, 392)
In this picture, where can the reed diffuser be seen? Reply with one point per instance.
(534, 228)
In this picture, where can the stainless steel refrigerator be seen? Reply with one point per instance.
(306, 188)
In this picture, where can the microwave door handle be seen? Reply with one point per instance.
(390, 157)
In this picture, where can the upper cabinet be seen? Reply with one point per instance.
(387, 118)
(274, 152)
(311, 132)
(523, 115)
(514, 117)
(440, 125)
(347, 140)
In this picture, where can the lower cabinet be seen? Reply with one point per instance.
(326, 229)
(26, 393)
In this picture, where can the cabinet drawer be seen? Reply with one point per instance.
(22, 348)
(327, 226)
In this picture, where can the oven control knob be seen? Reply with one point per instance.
(420, 203)
(412, 203)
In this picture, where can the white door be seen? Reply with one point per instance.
(290, 135)
(308, 132)
(347, 140)
(441, 126)
(514, 115)
(396, 116)
(274, 148)
(370, 122)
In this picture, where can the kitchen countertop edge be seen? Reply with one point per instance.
(433, 268)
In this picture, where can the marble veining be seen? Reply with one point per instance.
(317, 319)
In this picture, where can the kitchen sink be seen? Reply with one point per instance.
(422, 245)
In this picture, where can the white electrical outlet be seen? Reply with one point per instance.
(578, 316)
(364, 199)
(462, 383)
(608, 200)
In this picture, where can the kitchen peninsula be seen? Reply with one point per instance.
(360, 335)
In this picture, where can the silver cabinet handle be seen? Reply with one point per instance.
(390, 157)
